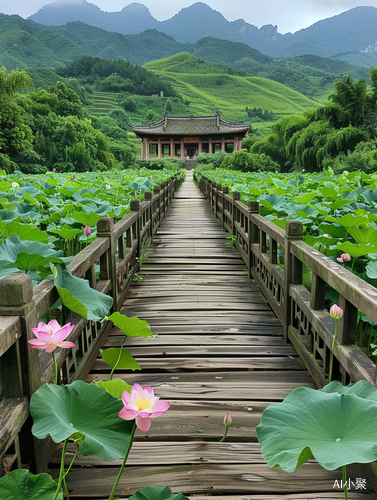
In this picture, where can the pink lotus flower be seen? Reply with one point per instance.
(142, 405)
(74, 177)
(336, 312)
(345, 257)
(87, 230)
(54, 169)
(51, 335)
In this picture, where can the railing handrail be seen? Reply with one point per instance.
(306, 321)
(22, 370)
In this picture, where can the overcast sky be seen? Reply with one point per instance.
(288, 15)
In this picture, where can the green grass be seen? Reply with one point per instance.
(230, 94)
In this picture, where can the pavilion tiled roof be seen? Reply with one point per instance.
(191, 125)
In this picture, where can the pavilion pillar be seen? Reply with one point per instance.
(182, 150)
(210, 148)
(159, 149)
(200, 146)
(222, 144)
(171, 148)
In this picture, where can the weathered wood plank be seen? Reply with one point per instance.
(219, 478)
(238, 341)
(176, 365)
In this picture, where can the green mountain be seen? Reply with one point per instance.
(209, 87)
(352, 32)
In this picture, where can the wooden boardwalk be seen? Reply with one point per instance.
(220, 349)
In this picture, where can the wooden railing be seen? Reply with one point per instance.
(307, 323)
(115, 253)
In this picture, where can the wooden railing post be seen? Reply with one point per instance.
(220, 202)
(292, 270)
(348, 322)
(148, 197)
(19, 368)
(136, 229)
(105, 229)
(252, 234)
(236, 197)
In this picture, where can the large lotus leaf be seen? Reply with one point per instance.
(333, 230)
(349, 220)
(19, 253)
(23, 231)
(362, 389)
(157, 493)
(8, 215)
(131, 327)
(355, 250)
(20, 484)
(66, 233)
(60, 411)
(366, 236)
(79, 297)
(336, 429)
(86, 219)
(120, 359)
(114, 387)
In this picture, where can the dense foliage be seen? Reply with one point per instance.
(48, 130)
(52, 210)
(315, 138)
(118, 76)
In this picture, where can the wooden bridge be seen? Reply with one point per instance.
(222, 346)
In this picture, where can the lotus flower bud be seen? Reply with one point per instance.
(336, 312)
(87, 230)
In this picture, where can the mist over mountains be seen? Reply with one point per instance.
(352, 32)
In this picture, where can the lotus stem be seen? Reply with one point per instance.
(111, 497)
(116, 364)
(332, 349)
(55, 380)
(345, 483)
(61, 474)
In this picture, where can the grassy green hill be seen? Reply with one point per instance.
(214, 89)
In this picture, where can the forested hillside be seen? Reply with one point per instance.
(25, 44)
(48, 129)
(340, 135)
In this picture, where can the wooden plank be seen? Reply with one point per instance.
(234, 340)
(196, 389)
(220, 478)
(189, 306)
(176, 365)
(207, 350)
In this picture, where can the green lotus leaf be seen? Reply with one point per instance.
(131, 327)
(349, 220)
(355, 250)
(18, 252)
(362, 389)
(20, 484)
(366, 236)
(371, 269)
(114, 387)
(79, 297)
(334, 428)
(155, 493)
(119, 358)
(86, 219)
(61, 411)
(25, 232)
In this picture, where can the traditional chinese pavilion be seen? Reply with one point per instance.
(188, 136)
